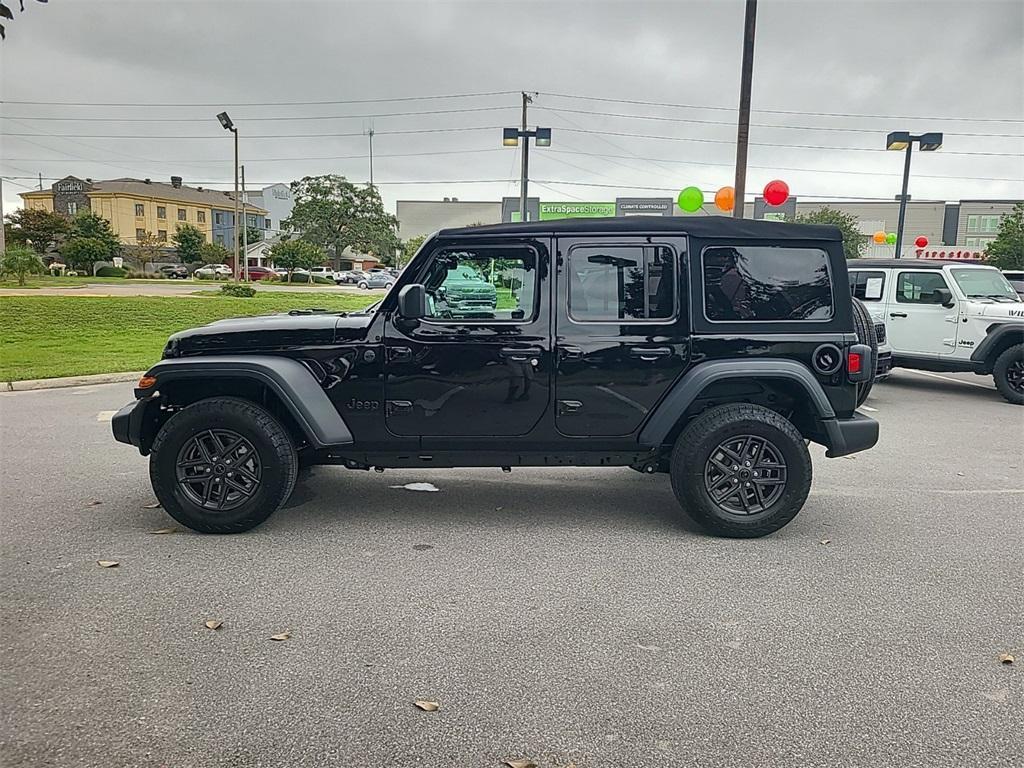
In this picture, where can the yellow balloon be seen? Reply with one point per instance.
(879, 237)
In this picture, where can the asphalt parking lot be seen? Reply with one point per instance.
(561, 616)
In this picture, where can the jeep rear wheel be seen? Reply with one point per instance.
(222, 465)
(741, 470)
(1008, 373)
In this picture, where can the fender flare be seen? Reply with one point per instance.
(289, 379)
(697, 379)
(996, 341)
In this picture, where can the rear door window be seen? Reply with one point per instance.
(613, 283)
(867, 285)
(762, 283)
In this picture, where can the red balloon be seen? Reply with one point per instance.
(776, 192)
(921, 242)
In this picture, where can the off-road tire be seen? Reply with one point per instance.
(865, 328)
(1014, 356)
(702, 438)
(279, 464)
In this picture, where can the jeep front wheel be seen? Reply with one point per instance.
(1008, 373)
(741, 470)
(222, 465)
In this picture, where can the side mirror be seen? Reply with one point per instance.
(412, 302)
(944, 296)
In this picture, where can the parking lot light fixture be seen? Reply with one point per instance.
(229, 125)
(510, 138)
(903, 141)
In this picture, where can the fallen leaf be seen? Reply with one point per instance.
(214, 624)
(160, 531)
(154, 505)
(427, 706)
(281, 636)
(520, 763)
(826, 541)
(422, 547)
(107, 563)
(959, 474)
(1006, 658)
(418, 487)
(94, 503)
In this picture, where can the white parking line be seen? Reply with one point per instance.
(947, 378)
(105, 415)
(868, 408)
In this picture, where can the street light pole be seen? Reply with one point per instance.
(903, 140)
(234, 230)
(903, 200)
(743, 122)
(525, 172)
(245, 234)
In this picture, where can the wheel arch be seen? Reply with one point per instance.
(282, 385)
(999, 337)
(777, 384)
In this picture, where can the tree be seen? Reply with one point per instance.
(41, 230)
(252, 235)
(147, 249)
(90, 225)
(854, 240)
(80, 253)
(5, 13)
(21, 261)
(189, 241)
(1007, 250)
(410, 246)
(333, 213)
(296, 254)
(213, 253)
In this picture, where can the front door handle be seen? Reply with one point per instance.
(520, 354)
(649, 354)
(897, 314)
(399, 354)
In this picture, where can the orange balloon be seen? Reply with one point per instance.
(725, 198)
(879, 237)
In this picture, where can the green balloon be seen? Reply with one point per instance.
(691, 199)
(891, 238)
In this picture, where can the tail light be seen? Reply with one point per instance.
(859, 363)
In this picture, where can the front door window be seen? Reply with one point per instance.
(490, 284)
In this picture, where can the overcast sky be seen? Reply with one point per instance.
(894, 65)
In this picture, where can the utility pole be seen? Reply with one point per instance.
(743, 125)
(40, 181)
(3, 232)
(370, 134)
(245, 233)
(524, 175)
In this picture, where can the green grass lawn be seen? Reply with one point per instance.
(46, 281)
(47, 336)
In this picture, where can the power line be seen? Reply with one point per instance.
(259, 103)
(250, 136)
(673, 189)
(284, 159)
(781, 111)
(255, 119)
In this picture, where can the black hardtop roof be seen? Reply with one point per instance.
(913, 263)
(709, 227)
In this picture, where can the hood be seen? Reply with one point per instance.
(1006, 310)
(294, 330)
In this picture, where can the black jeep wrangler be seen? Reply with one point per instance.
(712, 349)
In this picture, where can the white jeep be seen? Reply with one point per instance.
(947, 316)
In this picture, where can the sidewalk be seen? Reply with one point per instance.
(70, 381)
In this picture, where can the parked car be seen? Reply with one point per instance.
(174, 271)
(377, 280)
(465, 293)
(327, 272)
(262, 273)
(706, 348)
(1016, 279)
(947, 316)
(214, 271)
(349, 276)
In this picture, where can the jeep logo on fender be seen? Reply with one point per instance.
(362, 405)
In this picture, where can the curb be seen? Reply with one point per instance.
(70, 381)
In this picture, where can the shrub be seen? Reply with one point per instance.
(21, 262)
(136, 274)
(238, 290)
(111, 272)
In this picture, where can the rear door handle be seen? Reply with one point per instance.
(399, 354)
(650, 353)
(520, 354)
(897, 314)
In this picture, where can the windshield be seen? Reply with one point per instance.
(984, 284)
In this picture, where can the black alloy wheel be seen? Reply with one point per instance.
(745, 474)
(1015, 376)
(218, 470)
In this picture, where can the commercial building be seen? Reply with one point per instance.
(136, 206)
(277, 201)
(954, 230)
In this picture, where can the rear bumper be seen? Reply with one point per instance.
(846, 436)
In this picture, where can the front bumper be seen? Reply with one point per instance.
(133, 423)
(884, 366)
(846, 436)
